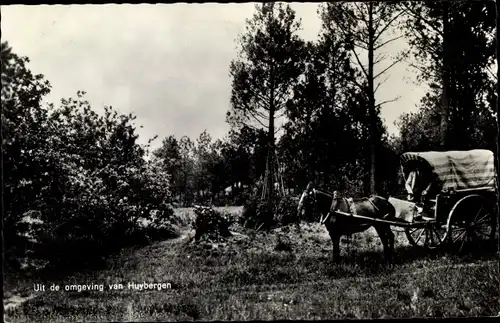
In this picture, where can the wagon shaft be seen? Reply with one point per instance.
(400, 223)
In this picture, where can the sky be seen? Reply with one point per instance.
(166, 63)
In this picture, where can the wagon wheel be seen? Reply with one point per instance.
(470, 221)
(429, 235)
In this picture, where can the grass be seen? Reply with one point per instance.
(283, 274)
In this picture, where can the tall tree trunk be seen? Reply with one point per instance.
(498, 120)
(185, 184)
(371, 98)
(270, 159)
(307, 153)
(445, 104)
(270, 140)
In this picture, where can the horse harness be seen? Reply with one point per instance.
(350, 204)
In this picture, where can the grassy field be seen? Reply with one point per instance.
(285, 274)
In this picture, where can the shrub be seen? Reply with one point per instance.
(210, 224)
(257, 214)
(82, 174)
(287, 211)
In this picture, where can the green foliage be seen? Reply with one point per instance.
(471, 92)
(268, 65)
(325, 138)
(170, 156)
(286, 211)
(247, 148)
(210, 224)
(257, 214)
(82, 173)
(366, 27)
(419, 131)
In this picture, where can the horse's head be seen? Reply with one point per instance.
(307, 201)
(313, 200)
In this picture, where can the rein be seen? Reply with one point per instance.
(315, 192)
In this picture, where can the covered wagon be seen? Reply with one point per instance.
(463, 204)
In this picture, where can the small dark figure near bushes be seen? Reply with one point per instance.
(210, 224)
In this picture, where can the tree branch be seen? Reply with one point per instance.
(253, 127)
(261, 105)
(260, 114)
(257, 95)
(387, 68)
(388, 101)
(492, 74)
(281, 114)
(388, 24)
(281, 93)
(421, 69)
(379, 59)
(346, 36)
(417, 16)
(255, 117)
(428, 46)
(360, 46)
(361, 65)
(361, 13)
(387, 42)
(379, 84)
(358, 85)
(381, 19)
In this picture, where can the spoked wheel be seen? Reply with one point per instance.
(427, 235)
(471, 222)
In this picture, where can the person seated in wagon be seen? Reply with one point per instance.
(419, 185)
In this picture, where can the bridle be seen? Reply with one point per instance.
(314, 193)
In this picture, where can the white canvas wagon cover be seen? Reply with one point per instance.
(456, 169)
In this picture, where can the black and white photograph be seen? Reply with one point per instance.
(251, 161)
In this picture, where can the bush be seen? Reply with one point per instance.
(210, 224)
(82, 174)
(257, 214)
(158, 227)
(287, 211)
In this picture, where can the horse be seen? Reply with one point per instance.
(338, 224)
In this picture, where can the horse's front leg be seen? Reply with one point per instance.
(387, 238)
(390, 238)
(335, 236)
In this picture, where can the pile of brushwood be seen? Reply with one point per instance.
(211, 225)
